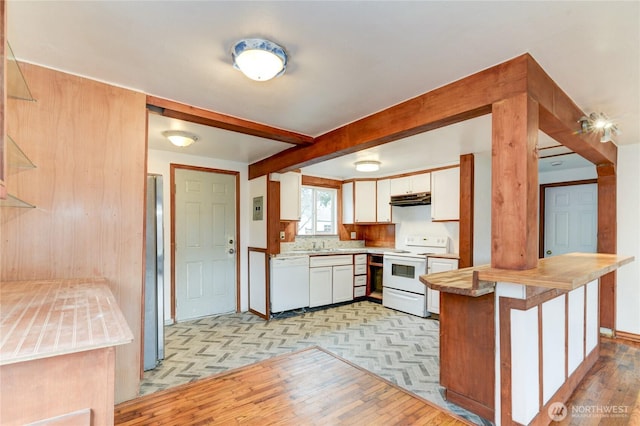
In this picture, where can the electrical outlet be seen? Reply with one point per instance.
(353, 235)
(282, 235)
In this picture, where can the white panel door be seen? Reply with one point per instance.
(342, 283)
(571, 219)
(383, 196)
(205, 230)
(365, 201)
(320, 289)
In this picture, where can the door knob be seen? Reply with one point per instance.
(548, 251)
(231, 251)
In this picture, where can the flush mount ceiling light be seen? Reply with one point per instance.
(259, 59)
(179, 137)
(367, 166)
(599, 122)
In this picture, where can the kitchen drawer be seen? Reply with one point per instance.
(360, 291)
(360, 259)
(330, 260)
(360, 269)
(359, 280)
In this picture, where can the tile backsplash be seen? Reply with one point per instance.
(317, 243)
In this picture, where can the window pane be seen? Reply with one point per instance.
(325, 211)
(305, 226)
(318, 206)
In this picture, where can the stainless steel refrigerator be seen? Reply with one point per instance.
(154, 277)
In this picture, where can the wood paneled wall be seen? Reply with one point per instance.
(88, 140)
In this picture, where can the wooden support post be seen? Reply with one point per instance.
(607, 241)
(514, 183)
(466, 210)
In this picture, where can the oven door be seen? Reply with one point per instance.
(402, 273)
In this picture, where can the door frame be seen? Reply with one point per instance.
(543, 190)
(173, 167)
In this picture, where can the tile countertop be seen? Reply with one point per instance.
(41, 319)
(325, 252)
(565, 272)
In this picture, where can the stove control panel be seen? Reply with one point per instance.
(427, 241)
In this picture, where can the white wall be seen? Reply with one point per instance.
(482, 208)
(416, 220)
(258, 228)
(158, 163)
(628, 277)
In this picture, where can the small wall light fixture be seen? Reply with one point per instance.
(259, 59)
(180, 138)
(367, 166)
(599, 122)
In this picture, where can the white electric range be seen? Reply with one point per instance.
(401, 286)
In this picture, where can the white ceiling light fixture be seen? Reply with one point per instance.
(259, 59)
(367, 166)
(599, 122)
(180, 137)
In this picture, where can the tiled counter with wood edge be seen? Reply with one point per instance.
(513, 342)
(57, 355)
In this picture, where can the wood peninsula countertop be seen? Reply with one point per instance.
(41, 319)
(564, 272)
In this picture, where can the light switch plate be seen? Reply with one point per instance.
(353, 235)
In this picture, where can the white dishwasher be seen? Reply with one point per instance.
(289, 283)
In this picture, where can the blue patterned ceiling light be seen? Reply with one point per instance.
(259, 59)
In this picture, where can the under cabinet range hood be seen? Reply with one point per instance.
(406, 200)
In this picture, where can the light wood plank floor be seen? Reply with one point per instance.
(613, 381)
(308, 387)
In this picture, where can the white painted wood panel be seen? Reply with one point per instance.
(553, 346)
(575, 327)
(258, 282)
(524, 365)
(592, 324)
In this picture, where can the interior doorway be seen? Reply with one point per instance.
(568, 218)
(204, 241)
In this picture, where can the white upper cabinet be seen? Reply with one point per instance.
(445, 194)
(290, 184)
(411, 184)
(347, 203)
(365, 201)
(383, 209)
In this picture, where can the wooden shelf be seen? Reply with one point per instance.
(17, 87)
(16, 158)
(13, 201)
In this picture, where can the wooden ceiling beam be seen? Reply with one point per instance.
(461, 100)
(205, 117)
(560, 116)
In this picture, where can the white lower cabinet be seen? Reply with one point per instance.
(434, 265)
(342, 283)
(320, 286)
(330, 279)
(360, 275)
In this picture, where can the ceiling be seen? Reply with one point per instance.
(347, 60)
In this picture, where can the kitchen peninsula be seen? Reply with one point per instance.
(57, 354)
(513, 342)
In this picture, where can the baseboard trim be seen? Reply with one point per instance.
(623, 335)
